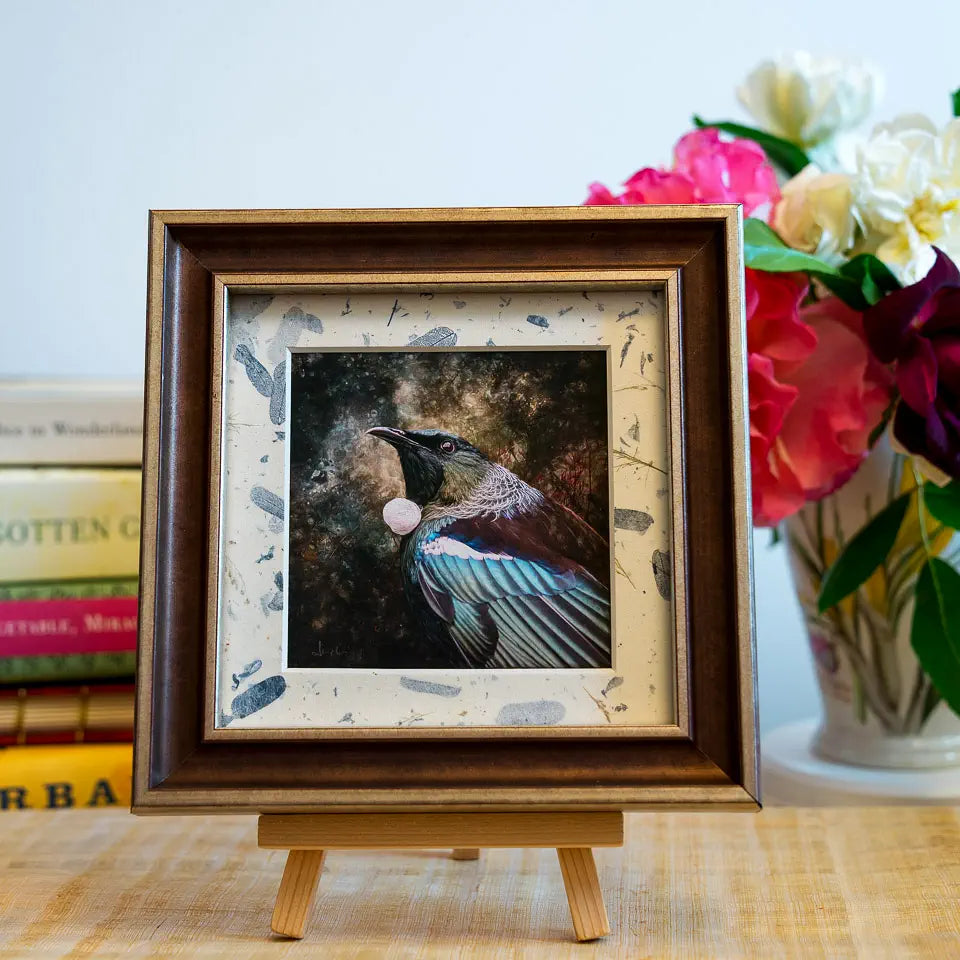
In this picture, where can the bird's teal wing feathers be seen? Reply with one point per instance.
(505, 609)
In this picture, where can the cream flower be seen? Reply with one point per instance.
(907, 194)
(808, 99)
(815, 214)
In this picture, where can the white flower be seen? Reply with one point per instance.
(808, 99)
(907, 194)
(815, 214)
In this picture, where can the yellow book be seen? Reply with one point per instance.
(61, 524)
(59, 778)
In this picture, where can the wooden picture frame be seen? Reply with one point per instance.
(197, 260)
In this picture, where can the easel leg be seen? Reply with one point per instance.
(466, 853)
(297, 889)
(583, 892)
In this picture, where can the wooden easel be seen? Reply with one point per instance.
(308, 837)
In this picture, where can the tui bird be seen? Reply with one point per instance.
(513, 578)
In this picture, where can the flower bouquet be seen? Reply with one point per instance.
(851, 246)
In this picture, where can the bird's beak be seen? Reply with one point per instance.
(396, 438)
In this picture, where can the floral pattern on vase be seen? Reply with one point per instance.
(880, 708)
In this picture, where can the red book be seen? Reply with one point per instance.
(35, 628)
(66, 714)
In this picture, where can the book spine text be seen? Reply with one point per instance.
(67, 524)
(52, 627)
(59, 778)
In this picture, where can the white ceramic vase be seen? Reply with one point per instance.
(879, 708)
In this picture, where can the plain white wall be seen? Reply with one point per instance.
(110, 108)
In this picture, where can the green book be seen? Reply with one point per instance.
(68, 589)
(71, 666)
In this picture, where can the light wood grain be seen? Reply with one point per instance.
(298, 887)
(584, 896)
(417, 831)
(872, 883)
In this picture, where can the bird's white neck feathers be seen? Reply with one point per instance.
(500, 493)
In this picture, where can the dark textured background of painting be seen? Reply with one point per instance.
(542, 414)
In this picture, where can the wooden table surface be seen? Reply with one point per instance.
(850, 882)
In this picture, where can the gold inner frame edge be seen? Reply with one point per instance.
(665, 280)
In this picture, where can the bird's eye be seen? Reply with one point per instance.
(447, 446)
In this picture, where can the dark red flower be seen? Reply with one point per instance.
(918, 329)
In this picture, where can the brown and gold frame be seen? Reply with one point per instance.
(197, 258)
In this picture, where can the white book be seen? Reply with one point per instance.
(71, 422)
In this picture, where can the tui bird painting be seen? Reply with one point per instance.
(501, 571)
(540, 414)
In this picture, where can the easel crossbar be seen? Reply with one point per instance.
(412, 831)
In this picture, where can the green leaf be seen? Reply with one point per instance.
(862, 282)
(845, 289)
(930, 702)
(863, 554)
(859, 283)
(955, 97)
(878, 430)
(935, 631)
(786, 155)
(764, 250)
(943, 503)
(872, 275)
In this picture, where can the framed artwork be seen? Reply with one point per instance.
(445, 509)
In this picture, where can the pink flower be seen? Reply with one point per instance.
(777, 342)
(774, 327)
(599, 196)
(776, 491)
(659, 186)
(816, 394)
(843, 392)
(707, 168)
(728, 171)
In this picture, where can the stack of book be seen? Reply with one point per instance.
(69, 554)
